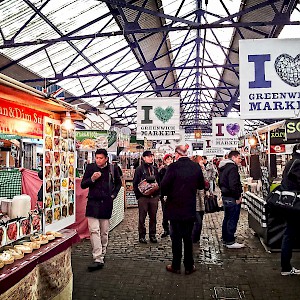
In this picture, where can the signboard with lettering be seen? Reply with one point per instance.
(209, 150)
(269, 78)
(91, 139)
(293, 130)
(20, 120)
(158, 118)
(226, 132)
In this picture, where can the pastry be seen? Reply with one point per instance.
(23, 248)
(32, 245)
(50, 237)
(17, 254)
(7, 258)
(55, 233)
(1, 264)
(40, 239)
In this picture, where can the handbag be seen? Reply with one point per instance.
(211, 203)
(147, 188)
(289, 201)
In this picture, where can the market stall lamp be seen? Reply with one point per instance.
(252, 141)
(67, 123)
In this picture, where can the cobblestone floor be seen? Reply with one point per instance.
(137, 271)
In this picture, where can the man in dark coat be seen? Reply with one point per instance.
(180, 185)
(290, 182)
(147, 204)
(104, 184)
(231, 189)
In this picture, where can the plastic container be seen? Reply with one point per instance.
(21, 206)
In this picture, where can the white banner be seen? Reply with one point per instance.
(269, 78)
(209, 150)
(158, 118)
(225, 132)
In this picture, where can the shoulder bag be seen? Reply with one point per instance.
(147, 187)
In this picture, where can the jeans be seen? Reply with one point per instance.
(196, 233)
(292, 229)
(231, 218)
(150, 206)
(182, 231)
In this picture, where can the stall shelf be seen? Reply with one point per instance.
(37, 276)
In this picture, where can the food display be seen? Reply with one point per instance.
(23, 248)
(59, 172)
(91, 139)
(25, 227)
(36, 222)
(12, 232)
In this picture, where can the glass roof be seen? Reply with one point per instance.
(96, 50)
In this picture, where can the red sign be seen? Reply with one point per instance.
(20, 120)
(277, 148)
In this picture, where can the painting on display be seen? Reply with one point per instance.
(269, 78)
(59, 175)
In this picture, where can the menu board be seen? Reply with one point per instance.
(59, 175)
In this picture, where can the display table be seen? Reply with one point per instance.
(266, 225)
(45, 273)
(81, 224)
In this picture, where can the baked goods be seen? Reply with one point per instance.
(32, 245)
(23, 248)
(16, 253)
(54, 233)
(7, 258)
(1, 264)
(40, 239)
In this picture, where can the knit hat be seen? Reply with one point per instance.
(167, 156)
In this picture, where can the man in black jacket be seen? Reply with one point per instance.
(231, 189)
(104, 184)
(147, 204)
(180, 185)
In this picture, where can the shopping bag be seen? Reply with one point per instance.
(211, 203)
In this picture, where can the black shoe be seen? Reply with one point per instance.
(165, 234)
(95, 266)
(153, 239)
(143, 241)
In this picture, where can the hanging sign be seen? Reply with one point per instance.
(269, 78)
(158, 118)
(209, 150)
(226, 132)
(91, 139)
(21, 120)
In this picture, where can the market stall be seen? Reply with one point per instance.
(271, 151)
(25, 227)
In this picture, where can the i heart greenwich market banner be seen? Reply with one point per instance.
(158, 118)
(226, 132)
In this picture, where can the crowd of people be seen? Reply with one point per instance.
(182, 184)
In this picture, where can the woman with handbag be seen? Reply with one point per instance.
(290, 182)
(146, 190)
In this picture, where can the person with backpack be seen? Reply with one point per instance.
(104, 183)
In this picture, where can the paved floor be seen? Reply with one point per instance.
(136, 271)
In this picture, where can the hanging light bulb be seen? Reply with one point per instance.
(252, 141)
(67, 123)
(101, 107)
